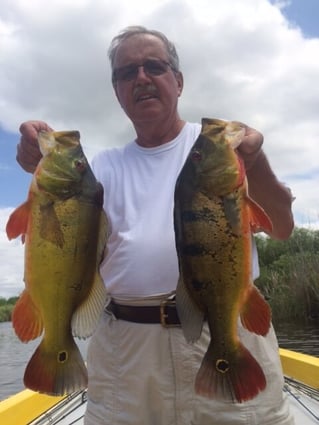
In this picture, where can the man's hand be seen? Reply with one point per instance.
(28, 151)
(250, 146)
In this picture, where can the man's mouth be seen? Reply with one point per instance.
(143, 97)
(142, 94)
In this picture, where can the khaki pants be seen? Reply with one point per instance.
(144, 375)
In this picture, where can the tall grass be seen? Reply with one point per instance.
(290, 275)
(6, 308)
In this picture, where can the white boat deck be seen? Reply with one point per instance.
(304, 402)
(304, 405)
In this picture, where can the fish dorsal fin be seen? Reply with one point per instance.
(87, 315)
(190, 315)
(50, 225)
(18, 221)
(26, 318)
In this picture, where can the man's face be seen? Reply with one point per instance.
(147, 97)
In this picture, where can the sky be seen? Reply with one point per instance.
(254, 61)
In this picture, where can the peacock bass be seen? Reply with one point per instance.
(64, 228)
(214, 219)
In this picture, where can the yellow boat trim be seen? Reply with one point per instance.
(301, 367)
(24, 407)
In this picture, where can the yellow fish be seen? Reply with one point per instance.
(214, 218)
(64, 228)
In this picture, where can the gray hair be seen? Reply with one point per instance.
(136, 30)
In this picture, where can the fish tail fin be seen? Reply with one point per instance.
(238, 379)
(256, 313)
(56, 372)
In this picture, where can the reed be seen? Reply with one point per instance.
(6, 307)
(289, 276)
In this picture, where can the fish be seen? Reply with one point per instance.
(64, 230)
(214, 219)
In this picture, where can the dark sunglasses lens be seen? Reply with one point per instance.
(126, 73)
(129, 72)
(153, 67)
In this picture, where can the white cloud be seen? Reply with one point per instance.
(11, 266)
(241, 60)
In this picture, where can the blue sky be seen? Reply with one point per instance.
(305, 14)
(14, 182)
(255, 61)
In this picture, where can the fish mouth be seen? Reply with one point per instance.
(49, 140)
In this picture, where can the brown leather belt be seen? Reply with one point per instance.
(165, 313)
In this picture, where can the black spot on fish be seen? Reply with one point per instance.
(190, 216)
(204, 214)
(194, 250)
(198, 285)
(222, 365)
(77, 286)
(62, 356)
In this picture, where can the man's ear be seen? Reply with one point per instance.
(180, 82)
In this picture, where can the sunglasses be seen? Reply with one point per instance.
(151, 67)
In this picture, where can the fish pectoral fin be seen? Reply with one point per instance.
(26, 318)
(231, 210)
(18, 221)
(259, 220)
(256, 313)
(50, 226)
(190, 315)
(86, 316)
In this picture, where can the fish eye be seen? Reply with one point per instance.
(196, 155)
(80, 165)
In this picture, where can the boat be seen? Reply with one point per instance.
(30, 408)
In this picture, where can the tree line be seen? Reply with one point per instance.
(289, 275)
(6, 307)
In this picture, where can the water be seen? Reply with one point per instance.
(14, 355)
(303, 338)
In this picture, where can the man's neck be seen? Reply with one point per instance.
(152, 135)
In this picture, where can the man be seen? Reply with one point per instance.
(143, 373)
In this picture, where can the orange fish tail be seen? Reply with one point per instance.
(238, 379)
(56, 373)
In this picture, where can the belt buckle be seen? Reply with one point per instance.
(164, 315)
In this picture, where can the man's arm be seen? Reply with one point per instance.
(263, 186)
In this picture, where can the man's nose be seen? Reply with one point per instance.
(141, 74)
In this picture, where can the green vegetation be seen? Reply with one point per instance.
(6, 307)
(289, 276)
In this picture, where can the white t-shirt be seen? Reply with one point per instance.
(139, 186)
